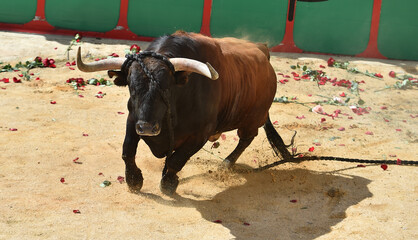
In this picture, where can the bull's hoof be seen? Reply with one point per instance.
(227, 164)
(134, 181)
(169, 185)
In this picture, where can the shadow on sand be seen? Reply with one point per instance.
(262, 208)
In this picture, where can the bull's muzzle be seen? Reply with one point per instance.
(147, 129)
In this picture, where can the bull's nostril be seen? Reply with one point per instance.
(156, 128)
(139, 129)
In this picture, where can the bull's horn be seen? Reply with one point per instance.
(106, 64)
(190, 65)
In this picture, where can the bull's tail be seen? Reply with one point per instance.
(276, 141)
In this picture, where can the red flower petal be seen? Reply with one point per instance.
(384, 167)
(378, 75)
(311, 149)
(398, 161)
(13, 129)
(85, 135)
(20, 75)
(341, 145)
(342, 94)
(38, 78)
(121, 179)
(73, 63)
(386, 120)
(121, 113)
(341, 129)
(383, 107)
(361, 165)
(6, 80)
(15, 80)
(323, 120)
(67, 64)
(80, 96)
(301, 117)
(331, 62)
(392, 74)
(217, 221)
(62, 180)
(76, 211)
(293, 201)
(101, 174)
(223, 137)
(398, 130)
(369, 133)
(296, 78)
(275, 122)
(392, 155)
(71, 68)
(321, 66)
(246, 224)
(53, 102)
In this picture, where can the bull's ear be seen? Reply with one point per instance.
(181, 77)
(120, 79)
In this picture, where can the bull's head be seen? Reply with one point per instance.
(150, 80)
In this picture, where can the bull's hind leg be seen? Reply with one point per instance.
(245, 139)
(133, 174)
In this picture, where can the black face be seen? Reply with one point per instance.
(147, 102)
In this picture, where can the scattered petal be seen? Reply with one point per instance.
(62, 180)
(383, 107)
(323, 120)
(121, 113)
(276, 123)
(101, 174)
(398, 130)
(378, 75)
(398, 161)
(392, 74)
(217, 221)
(322, 66)
(386, 120)
(311, 149)
(384, 167)
(53, 102)
(135, 48)
(342, 145)
(331, 62)
(392, 155)
(81, 96)
(16, 80)
(121, 179)
(246, 224)
(361, 165)
(318, 109)
(215, 145)
(301, 117)
(76, 211)
(85, 135)
(71, 68)
(13, 129)
(341, 129)
(342, 94)
(293, 201)
(223, 136)
(369, 133)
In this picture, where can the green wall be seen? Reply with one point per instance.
(260, 21)
(153, 18)
(17, 11)
(398, 29)
(83, 15)
(334, 26)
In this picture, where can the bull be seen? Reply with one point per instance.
(187, 89)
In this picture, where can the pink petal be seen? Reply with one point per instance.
(398, 130)
(383, 107)
(121, 113)
(13, 129)
(369, 133)
(223, 137)
(121, 179)
(311, 149)
(341, 129)
(398, 161)
(71, 68)
(85, 135)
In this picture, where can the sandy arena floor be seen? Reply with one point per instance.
(333, 200)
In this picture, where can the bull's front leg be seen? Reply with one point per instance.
(176, 162)
(133, 174)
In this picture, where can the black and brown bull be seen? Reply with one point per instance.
(186, 89)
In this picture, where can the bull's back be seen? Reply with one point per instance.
(248, 84)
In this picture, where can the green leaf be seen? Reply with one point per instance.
(361, 102)
(293, 67)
